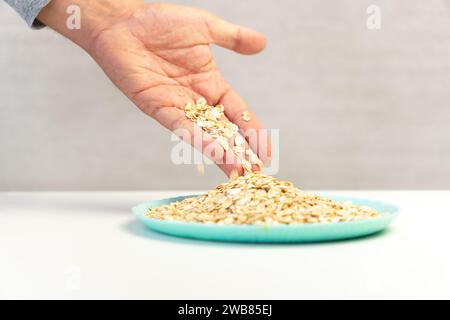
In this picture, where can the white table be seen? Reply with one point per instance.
(88, 245)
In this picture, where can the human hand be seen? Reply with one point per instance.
(159, 56)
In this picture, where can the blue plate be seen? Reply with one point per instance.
(315, 232)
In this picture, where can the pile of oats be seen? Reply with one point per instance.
(211, 119)
(256, 198)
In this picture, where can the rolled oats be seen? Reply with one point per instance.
(211, 120)
(256, 198)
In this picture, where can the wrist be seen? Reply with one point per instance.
(95, 16)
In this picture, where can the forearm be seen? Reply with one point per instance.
(95, 16)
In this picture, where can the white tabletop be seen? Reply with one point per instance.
(89, 245)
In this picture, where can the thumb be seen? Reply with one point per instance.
(234, 37)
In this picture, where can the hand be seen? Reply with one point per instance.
(159, 55)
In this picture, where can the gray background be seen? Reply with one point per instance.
(357, 108)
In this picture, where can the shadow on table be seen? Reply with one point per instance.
(135, 228)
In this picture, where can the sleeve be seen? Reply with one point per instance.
(29, 10)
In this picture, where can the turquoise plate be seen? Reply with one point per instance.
(315, 232)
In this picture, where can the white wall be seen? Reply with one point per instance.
(357, 108)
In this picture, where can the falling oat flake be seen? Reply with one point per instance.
(201, 168)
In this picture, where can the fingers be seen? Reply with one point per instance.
(234, 37)
(255, 134)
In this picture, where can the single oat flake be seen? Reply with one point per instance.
(201, 169)
(246, 116)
